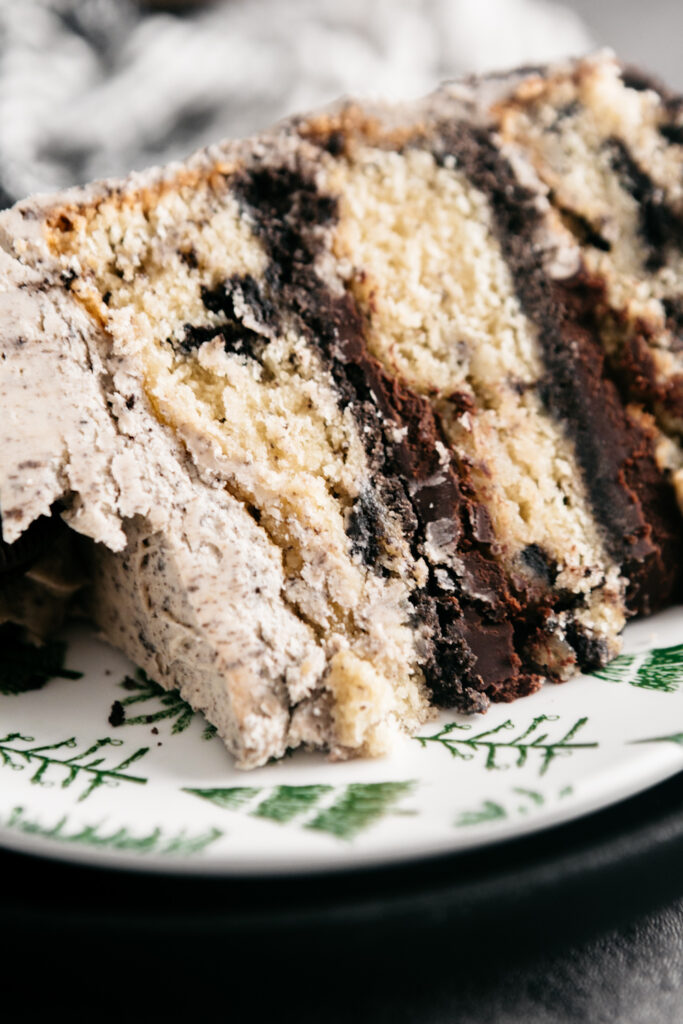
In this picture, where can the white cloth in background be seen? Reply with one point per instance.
(96, 87)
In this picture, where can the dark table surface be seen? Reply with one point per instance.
(631, 975)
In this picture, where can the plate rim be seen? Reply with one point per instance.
(290, 865)
(622, 833)
(599, 854)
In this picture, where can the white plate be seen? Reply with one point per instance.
(160, 792)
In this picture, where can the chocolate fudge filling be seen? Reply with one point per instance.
(470, 651)
(635, 370)
(629, 496)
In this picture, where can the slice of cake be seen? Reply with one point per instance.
(376, 413)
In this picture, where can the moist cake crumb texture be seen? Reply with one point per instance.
(377, 413)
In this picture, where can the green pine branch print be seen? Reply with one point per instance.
(617, 670)
(674, 737)
(228, 799)
(660, 669)
(174, 844)
(287, 802)
(521, 802)
(490, 810)
(353, 809)
(45, 762)
(359, 806)
(143, 689)
(499, 752)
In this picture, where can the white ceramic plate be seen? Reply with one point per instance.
(159, 791)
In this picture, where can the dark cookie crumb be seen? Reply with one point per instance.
(117, 715)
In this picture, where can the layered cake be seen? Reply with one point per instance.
(373, 414)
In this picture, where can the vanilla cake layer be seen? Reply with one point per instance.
(338, 408)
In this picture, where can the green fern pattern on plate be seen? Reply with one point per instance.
(287, 802)
(660, 669)
(499, 752)
(47, 764)
(674, 737)
(490, 810)
(231, 798)
(521, 801)
(353, 808)
(143, 689)
(158, 841)
(360, 805)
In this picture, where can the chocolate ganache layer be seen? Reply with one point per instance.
(629, 494)
(469, 644)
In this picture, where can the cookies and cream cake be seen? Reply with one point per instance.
(375, 413)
